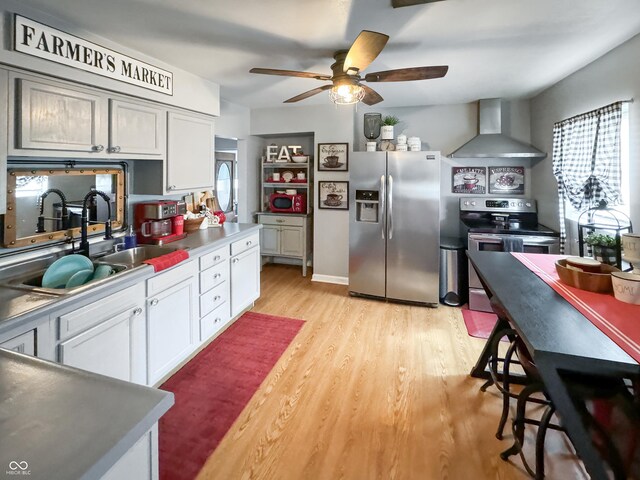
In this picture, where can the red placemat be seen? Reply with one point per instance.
(618, 320)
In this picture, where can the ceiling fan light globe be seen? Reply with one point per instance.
(346, 94)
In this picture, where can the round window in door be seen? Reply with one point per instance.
(224, 186)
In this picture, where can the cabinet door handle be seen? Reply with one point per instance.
(154, 302)
(216, 298)
(235, 260)
(171, 187)
(217, 320)
(115, 149)
(248, 243)
(137, 311)
(97, 148)
(279, 220)
(217, 275)
(216, 258)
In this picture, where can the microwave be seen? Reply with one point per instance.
(281, 202)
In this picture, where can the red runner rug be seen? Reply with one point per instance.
(616, 319)
(479, 324)
(213, 388)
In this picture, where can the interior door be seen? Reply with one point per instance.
(413, 219)
(225, 181)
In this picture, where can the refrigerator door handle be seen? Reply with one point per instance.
(390, 207)
(382, 204)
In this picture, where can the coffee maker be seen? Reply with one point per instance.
(159, 221)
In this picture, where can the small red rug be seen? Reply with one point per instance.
(479, 324)
(213, 388)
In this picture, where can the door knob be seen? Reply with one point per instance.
(97, 148)
(154, 302)
(137, 311)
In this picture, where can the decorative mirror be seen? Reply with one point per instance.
(45, 204)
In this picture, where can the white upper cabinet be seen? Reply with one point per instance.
(189, 152)
(136, 129)
(55, 118)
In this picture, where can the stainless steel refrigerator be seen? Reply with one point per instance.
(394, 225)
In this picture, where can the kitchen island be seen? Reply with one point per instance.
(60, 422)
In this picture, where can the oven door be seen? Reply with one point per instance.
(493, 243)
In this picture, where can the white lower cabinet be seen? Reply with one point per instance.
(172, 318)
(286, 236)
(245, 273)
(23, 343)
(107, 336)
(140, 462)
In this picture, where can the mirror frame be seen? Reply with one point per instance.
(10, 240)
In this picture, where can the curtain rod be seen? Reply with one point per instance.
(627, 101)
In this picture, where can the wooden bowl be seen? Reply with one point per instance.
(193, 224)
(592, 282)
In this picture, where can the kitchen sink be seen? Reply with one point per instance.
(135, 256)
(32, 281)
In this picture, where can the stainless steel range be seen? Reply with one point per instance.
(502, 224)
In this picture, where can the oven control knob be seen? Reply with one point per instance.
(473, 204)
(466, 203)
(528, 204)
(513, 204)
(520, 204)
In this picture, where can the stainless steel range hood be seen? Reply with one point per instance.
(491, 142)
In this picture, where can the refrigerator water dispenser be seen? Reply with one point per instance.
(367, 206)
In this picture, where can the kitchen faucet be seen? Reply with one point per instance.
(41, 218)
(84, 226)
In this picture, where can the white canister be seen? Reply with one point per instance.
(386, 132)
(402, 139)
(371, 146)
(414, 144)
(300, 175)
(401, 147)
(276, 177)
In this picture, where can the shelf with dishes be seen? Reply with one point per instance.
(286, 184)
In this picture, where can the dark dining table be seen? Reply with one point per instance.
(559, 338)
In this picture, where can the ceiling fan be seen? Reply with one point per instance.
(346, 86)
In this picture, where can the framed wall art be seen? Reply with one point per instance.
(471, 180)
(506, 180)
(333, 157)
(333, 195)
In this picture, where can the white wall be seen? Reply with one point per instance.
(614, 76)
(189, 91)
(329, 124)
(234, 123)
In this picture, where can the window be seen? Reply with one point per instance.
(226, 187)
(588, 164)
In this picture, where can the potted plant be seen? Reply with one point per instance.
(388, 123)
(604, 247)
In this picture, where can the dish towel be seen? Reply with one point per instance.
(166, 261)
(512, 244)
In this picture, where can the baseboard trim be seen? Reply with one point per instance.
(316, 277)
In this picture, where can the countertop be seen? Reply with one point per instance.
(21, 306)
(68, 423)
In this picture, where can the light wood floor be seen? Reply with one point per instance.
(370, 390)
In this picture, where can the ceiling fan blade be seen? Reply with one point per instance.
(308, 94)
(407, 74)
(371, 97)
(364, 50)
(290, 73)
(409, 3)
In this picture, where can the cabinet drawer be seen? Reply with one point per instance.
(167, 279)
(100, 310)
(25, 343)
(214, 321)
(281, 220)
(245, 244)
(213, 258)
(214, 298)
(213, 276)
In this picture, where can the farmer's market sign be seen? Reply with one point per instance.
(42, 41)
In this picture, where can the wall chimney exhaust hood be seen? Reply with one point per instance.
(491, 142)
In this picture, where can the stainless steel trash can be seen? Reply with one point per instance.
(453, 272)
